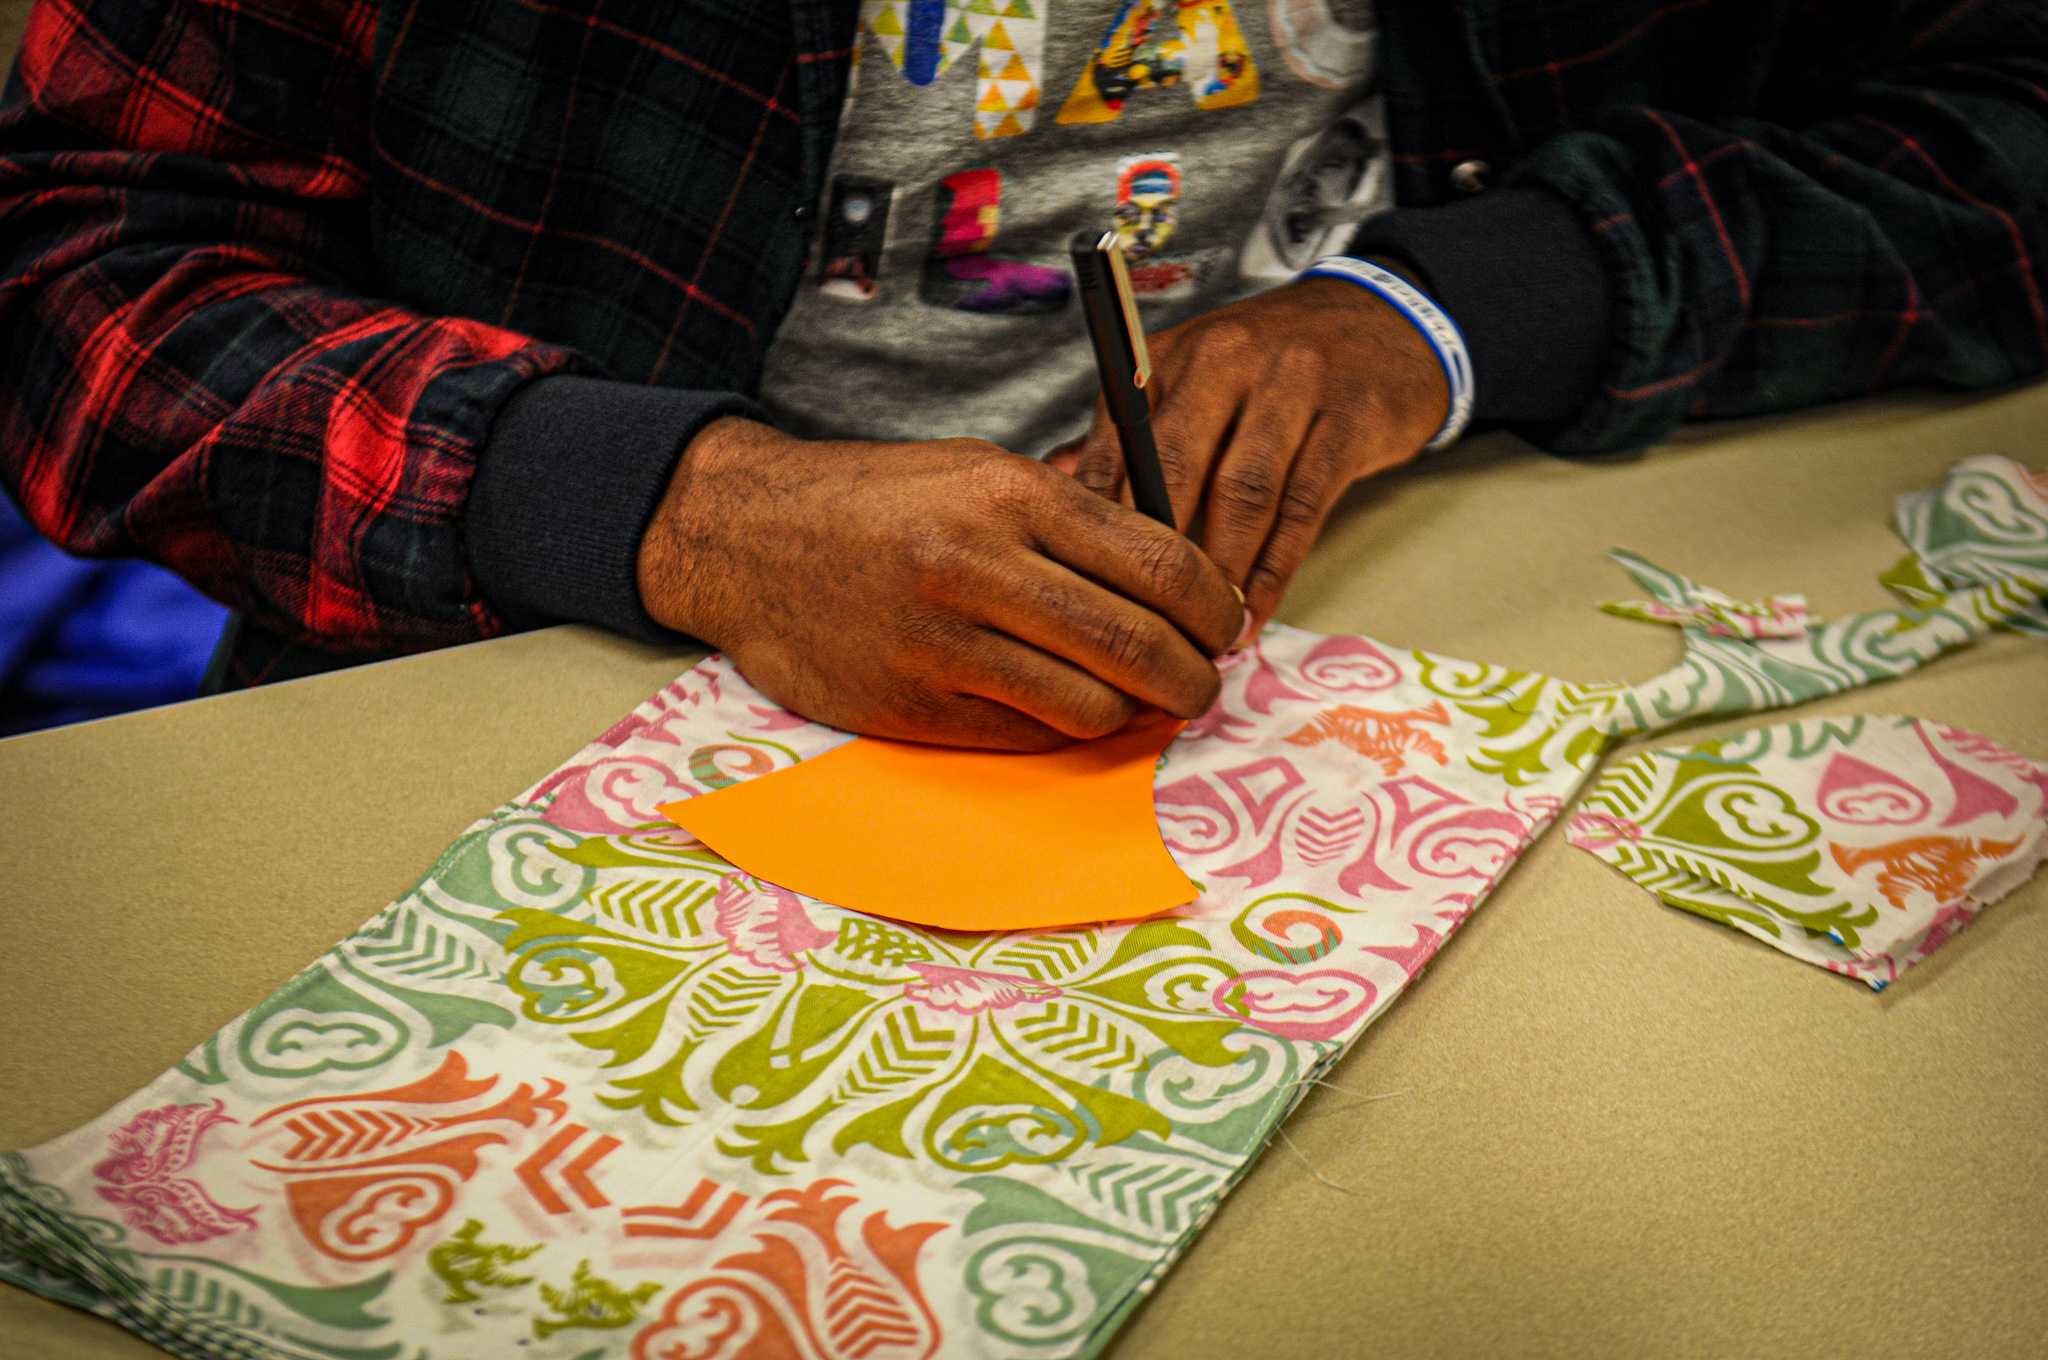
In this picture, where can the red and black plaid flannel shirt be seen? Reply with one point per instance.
(277, 279)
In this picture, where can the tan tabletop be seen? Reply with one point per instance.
(1619, 1130)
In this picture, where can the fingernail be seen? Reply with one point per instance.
(1244, 635)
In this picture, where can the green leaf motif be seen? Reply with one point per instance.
(1715, 837)
(465, 1264)
(197, 1283)
(517, 860)
(1531, 724)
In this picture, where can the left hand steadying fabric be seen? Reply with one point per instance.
(1266, 411)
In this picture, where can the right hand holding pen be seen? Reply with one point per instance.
(943, 591)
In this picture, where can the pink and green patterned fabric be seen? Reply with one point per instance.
(1862, 844)
(1986, 523)
(1780, 616)
(588, 1092)
(1859, 844)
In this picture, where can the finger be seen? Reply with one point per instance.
(1054, 692)
(965, 720)
(1243, 498)
(1314, 483)
(1068, 459)
(1098, 462)
(1192, 428)
(1144, 562)
(1100, 468)
(913, 705)
(1114, 641)
(1200, 401)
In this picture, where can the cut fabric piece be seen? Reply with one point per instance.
(962, 840)
(1859, 844)
(1986, 523)
(1780, 616)
(1728, 676)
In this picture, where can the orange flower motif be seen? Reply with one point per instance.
(1384, 737)
(1939, 864)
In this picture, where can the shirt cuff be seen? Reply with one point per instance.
(1520, 274)
(565, 486)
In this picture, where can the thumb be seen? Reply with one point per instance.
(1099, 460)
(1095, 459)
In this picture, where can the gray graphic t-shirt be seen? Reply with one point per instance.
(1229, 143)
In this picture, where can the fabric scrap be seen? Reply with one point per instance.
(1778, 616)
(1986, 524)
(1858, 844)
(1722, 676)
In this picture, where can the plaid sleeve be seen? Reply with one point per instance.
(193, 371)
(1890, 228)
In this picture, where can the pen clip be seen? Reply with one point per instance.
(1134, 330)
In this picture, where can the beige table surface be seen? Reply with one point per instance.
(1619, 1131)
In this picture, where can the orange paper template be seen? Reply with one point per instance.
(961, 840)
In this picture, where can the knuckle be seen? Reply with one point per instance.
(920, 706)
(1305, 364)
(1097, 471)
(1005, 482)
(1129, 644)
(1176, 457)
(1097, 712)
(1265, 583)
(1167, 564)
(936, 549)
(1301, 504)
(1056, 599)
(923, 632)
(1246, 490)
(1364, 409)
(1229, 338)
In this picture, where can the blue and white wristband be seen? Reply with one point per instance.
(1437, 328)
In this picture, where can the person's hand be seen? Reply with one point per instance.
(944, 591)
(1266, 411)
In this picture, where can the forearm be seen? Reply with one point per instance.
(1876, 219)
(298, 452)
(1821, 278)
(192, 375)
(197, 373)
(1518, 272)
